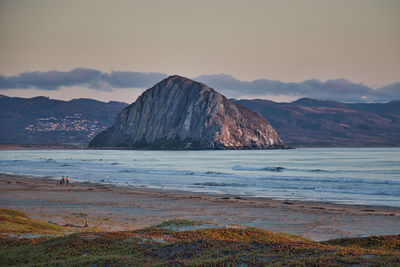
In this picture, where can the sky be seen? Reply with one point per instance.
(280, 50)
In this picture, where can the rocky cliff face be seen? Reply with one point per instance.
(178, 113)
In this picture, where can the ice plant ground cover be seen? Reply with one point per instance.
(161, 246)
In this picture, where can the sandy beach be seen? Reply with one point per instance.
(123, 208)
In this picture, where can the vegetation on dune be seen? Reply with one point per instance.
(388, 242)
(157, 246)
(15, 223)
(178, 223)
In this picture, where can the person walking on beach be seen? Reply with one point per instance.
(67, 180)
(63, 180)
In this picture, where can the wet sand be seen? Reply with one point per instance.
(123, 208)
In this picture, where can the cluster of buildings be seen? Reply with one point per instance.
(72, 123)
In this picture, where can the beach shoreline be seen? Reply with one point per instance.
(116, 208)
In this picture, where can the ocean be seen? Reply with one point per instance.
(368, 176)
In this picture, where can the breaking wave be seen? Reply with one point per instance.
(274, 169)
(221, 184)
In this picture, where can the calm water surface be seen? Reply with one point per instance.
(340, 175)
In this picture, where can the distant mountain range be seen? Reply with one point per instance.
(302, 123)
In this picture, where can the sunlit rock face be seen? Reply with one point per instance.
(179, 113)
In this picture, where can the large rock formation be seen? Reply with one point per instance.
(178, 113)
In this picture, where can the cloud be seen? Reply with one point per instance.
(339, 89)
(94, 79)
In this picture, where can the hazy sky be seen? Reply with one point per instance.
(290, 41)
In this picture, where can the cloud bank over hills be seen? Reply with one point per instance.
(339, 89)
(94, 79)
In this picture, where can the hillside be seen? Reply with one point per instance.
(316, 123)
(41, 120)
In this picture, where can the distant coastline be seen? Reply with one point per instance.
(77, 147)
(38, 147)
